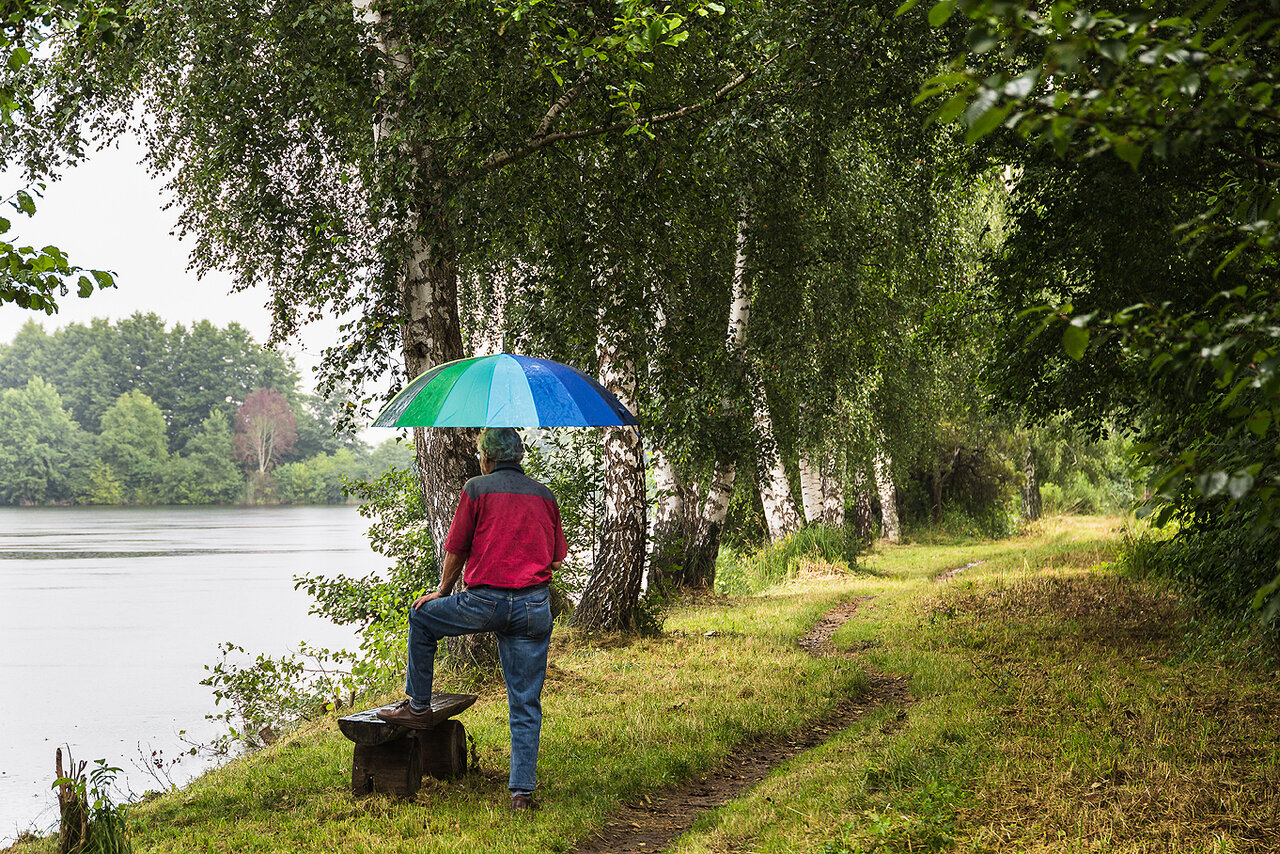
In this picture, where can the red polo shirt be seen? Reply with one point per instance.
(508, 525)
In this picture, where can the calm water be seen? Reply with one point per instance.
(109, 615)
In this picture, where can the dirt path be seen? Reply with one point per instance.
(649, 825)
(948, 574)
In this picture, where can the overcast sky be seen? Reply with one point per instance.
(107, 214)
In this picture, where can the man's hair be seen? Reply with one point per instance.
(501, 444)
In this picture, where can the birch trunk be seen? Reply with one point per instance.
(1031, 504)
(427, 283)
(863, 522)
(832, 490)
(700, 559)
(888, 497)
(700, 565)
(609, 600)
(669, 535)
(775, 490)
(811, 487)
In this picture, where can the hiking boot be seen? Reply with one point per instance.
(522, 803)
(403, 714)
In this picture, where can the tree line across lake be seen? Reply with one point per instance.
(134, 412)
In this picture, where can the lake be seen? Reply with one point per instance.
(108, 617)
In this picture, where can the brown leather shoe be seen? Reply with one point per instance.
(403, 714)
(521, 803)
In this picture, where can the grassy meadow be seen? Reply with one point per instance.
(1056, 706)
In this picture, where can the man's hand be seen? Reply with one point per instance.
(422, 600)
(453, 564)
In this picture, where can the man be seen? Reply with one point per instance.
(507, 533)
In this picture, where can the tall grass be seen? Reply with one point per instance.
(742, 574)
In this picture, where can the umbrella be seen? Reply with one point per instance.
(504, 391)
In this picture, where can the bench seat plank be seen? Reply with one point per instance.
(367, 728)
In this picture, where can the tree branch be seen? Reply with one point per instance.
(1261, 161)
(556, 109)
(541, 139)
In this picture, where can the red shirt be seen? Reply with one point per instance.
(508, 525)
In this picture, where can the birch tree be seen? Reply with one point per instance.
(700, 565)
(775, 490)
(892, 528)
(608, 602)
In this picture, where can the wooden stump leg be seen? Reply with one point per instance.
(443, 750)
(394, 768)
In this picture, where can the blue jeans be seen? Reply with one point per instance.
(522, 621)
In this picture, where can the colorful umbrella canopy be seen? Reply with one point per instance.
(504, 391)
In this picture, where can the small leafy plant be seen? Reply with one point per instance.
(90, 822)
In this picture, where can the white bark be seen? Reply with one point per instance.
(609, 600)
(832, 490)
(775, 490)
(811, 486)
(740, 299)
(888, 496)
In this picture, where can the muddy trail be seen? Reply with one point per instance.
(650, 825)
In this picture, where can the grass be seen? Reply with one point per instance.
(1055, 708)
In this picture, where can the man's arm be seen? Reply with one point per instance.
(453, 564)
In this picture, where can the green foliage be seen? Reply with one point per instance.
(739, 574)
(1224, 567)
(1080, 475)
(1154, 81)
(216, 479)
(967, 486)
(570, 463)
(995, 521)
(188, 373)
(317, 480)
(103, 486)
(196, 378)
(268, 697)
(43, 454)
(1182, 96)
(134, 444)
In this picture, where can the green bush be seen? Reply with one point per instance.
(1222, 566)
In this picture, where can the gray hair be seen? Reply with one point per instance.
(501, 444)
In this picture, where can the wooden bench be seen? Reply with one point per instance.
(391, 758)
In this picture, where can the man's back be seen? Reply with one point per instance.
(509, 526)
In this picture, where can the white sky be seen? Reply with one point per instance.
(107, 214)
